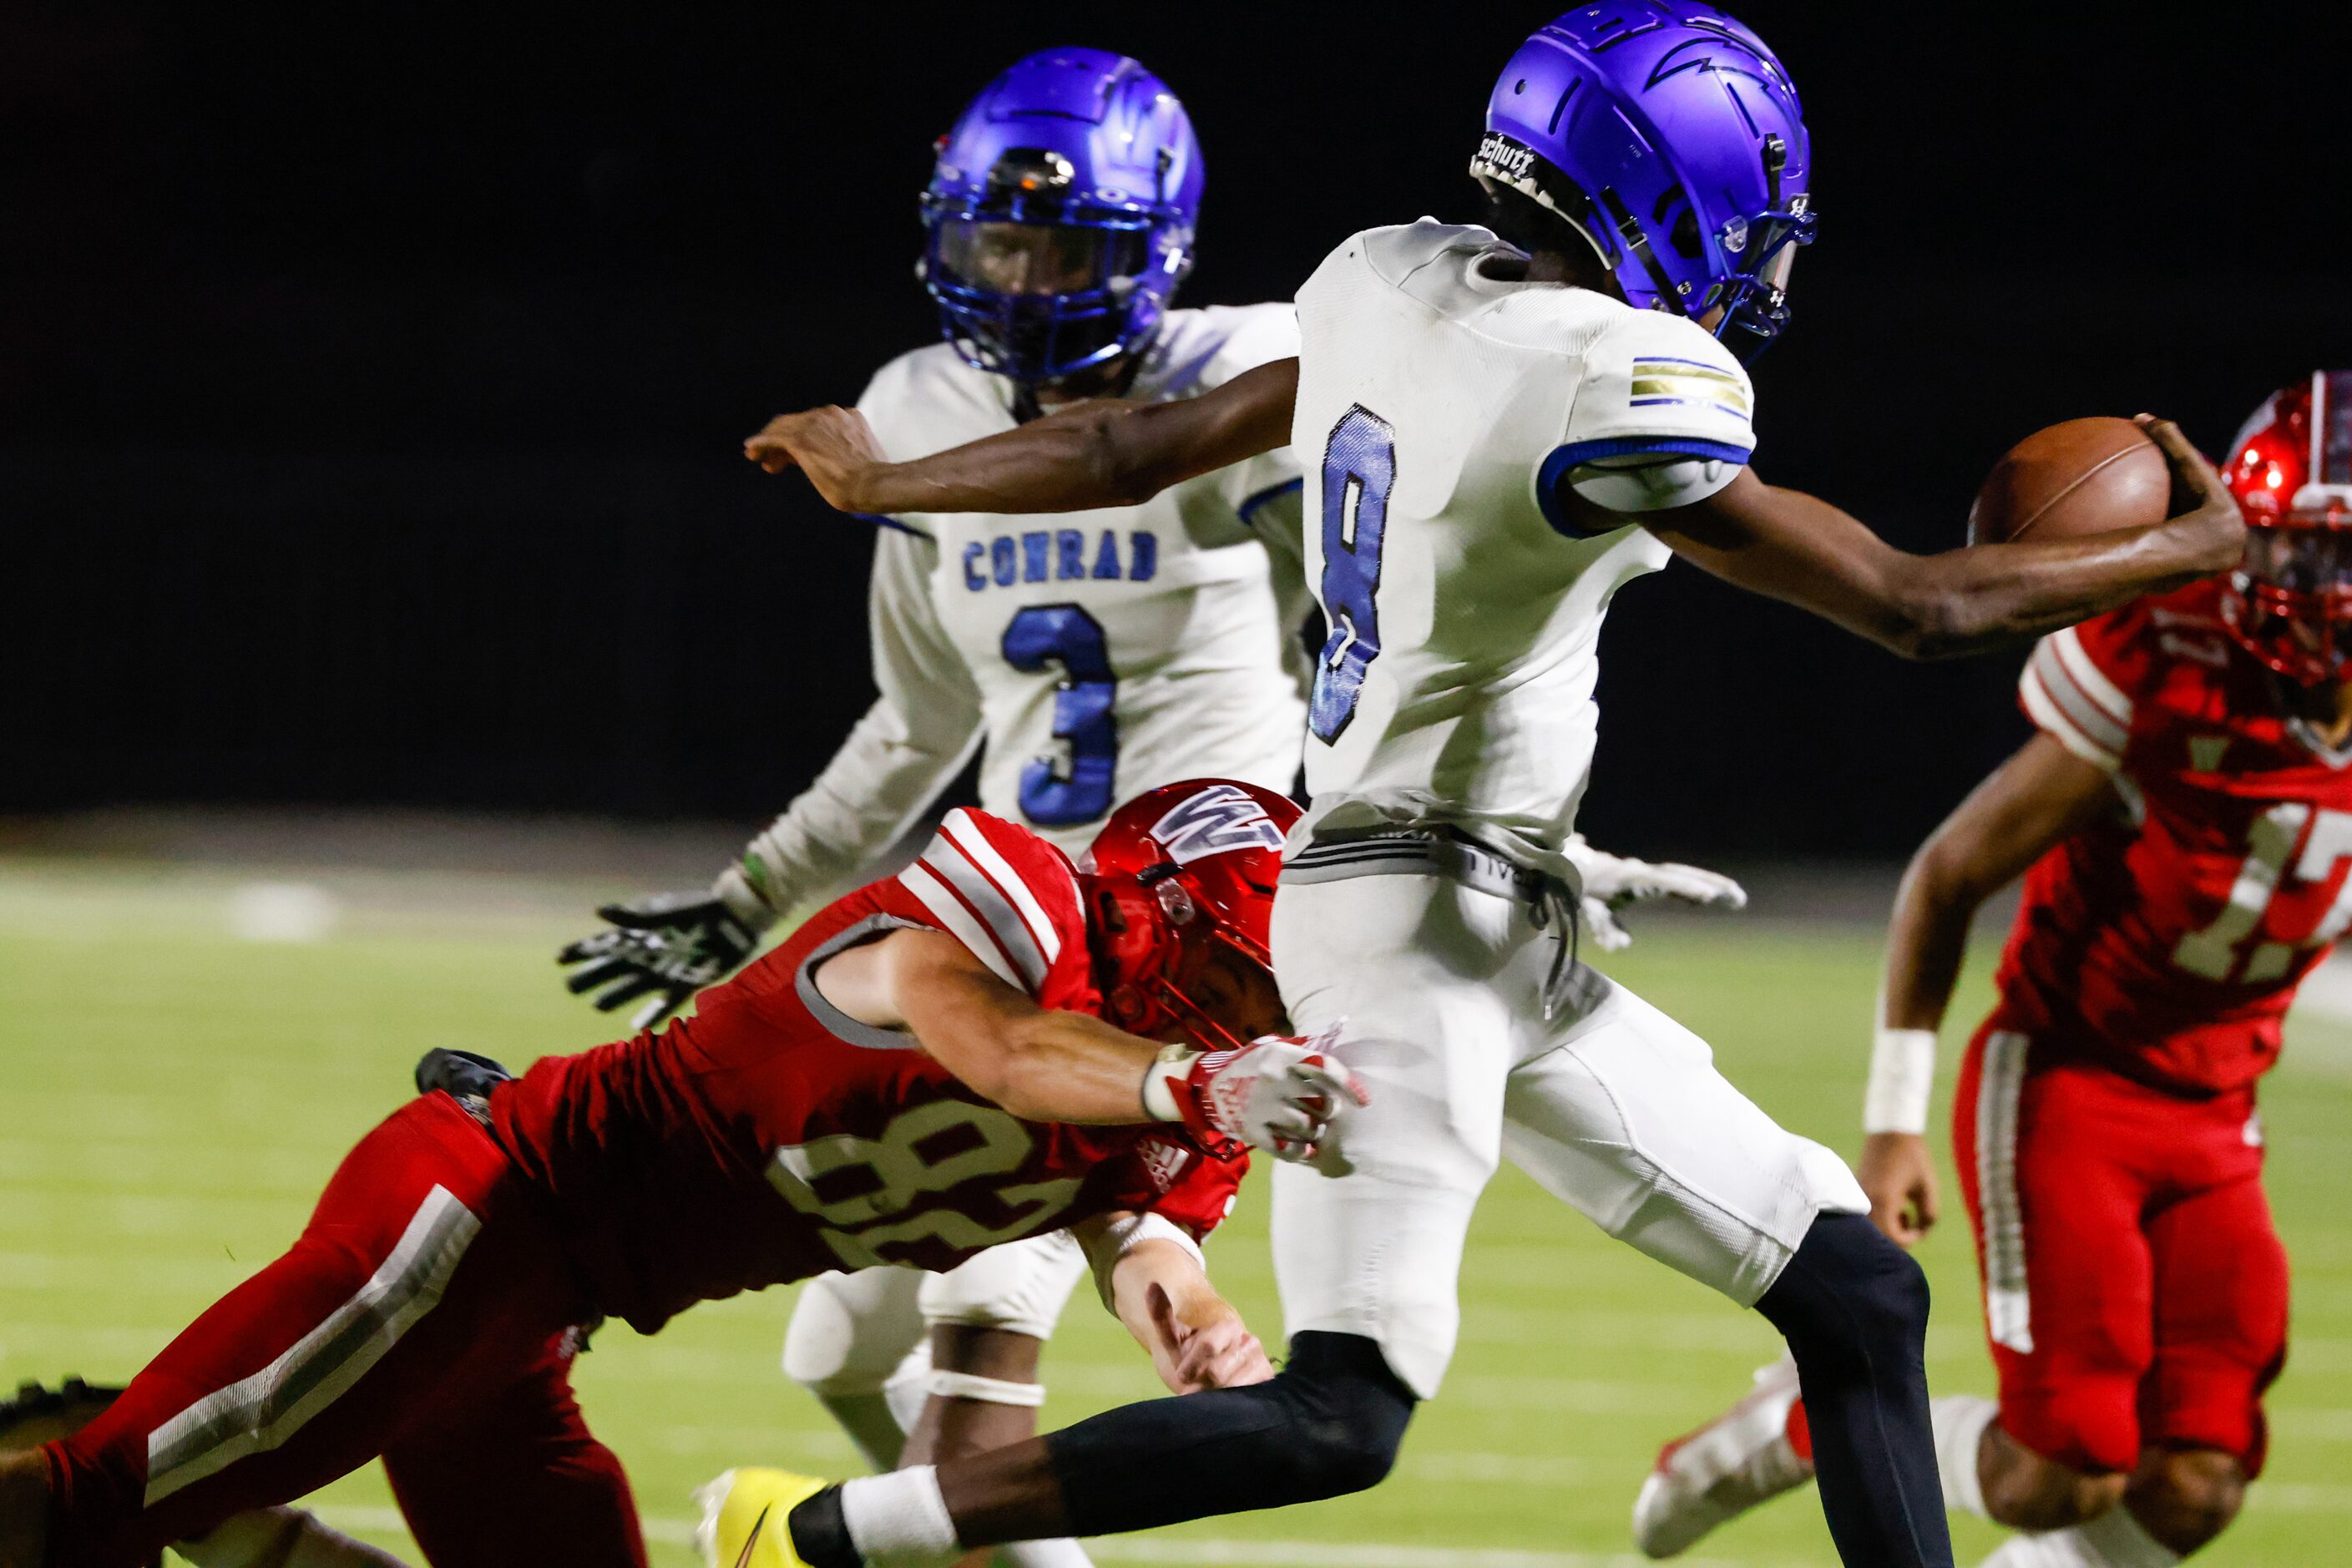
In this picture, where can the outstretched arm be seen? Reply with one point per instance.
(1046, 1063)
(1790, 546)
(2041, 796)
(1094, 454)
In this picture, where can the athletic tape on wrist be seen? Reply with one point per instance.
(1902, 1079)
(987, 1390)
(1119, 1237)
(1160, 1080)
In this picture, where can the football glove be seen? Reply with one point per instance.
(664, 947)
(1278, 1093)
(1612, 882)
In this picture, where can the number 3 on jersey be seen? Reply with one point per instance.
(1359, 473)
(1042, 635)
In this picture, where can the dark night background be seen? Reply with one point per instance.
(370, 378)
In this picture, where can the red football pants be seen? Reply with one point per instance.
(425, 1316)
(2135, 1287)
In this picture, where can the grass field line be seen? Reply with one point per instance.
(1210, 1551)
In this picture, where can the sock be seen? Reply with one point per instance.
(2114, 1540)
(900, 1520)
(280, 1538)
(872, 1424)
(2122, 1542)
(1046, 1554)
(1961, 1421)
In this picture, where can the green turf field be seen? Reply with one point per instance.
(172, 1099)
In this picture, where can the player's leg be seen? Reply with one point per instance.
(1624, 1117)
(264, 1538)
(1366, 1262)
(988, 1322)
(2220, 1333)
(510, 1474)
(849, 1335)
(2060, 1164)
(419, 1263)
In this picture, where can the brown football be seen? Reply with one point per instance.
(2084, 476)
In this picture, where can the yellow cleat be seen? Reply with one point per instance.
(743, 1515)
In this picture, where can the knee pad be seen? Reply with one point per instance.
(1020, 1287)
(836, 1348)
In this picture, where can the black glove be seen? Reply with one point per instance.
(665, 946)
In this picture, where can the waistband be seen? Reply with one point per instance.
(1439, 851)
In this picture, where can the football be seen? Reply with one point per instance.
(2083, 476)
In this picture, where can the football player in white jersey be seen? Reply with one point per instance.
(1090, 659)
(1507, 433)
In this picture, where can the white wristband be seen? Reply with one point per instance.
(1160, 1080)
(1902, 1078)
(1123, 1237)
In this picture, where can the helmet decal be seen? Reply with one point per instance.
(1180, 878)
(1672, 140)
(1216, 821)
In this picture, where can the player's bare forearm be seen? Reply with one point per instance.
(2041, 796)
(1099, 454)
(1793, 547)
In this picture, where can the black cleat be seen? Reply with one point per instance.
(38, 1416)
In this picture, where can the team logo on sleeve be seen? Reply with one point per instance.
(1213, 822)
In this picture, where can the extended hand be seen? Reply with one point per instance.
(1899, 1176)
(834, 446)
(1219, 1353)
(1612, 882)
(665, 946)
(2204, 512)
(1278, 1093)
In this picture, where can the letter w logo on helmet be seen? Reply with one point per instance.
(1213, 822)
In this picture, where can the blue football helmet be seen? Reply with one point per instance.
(1670, 137)
(1059, 216)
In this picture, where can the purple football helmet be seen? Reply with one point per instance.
(1060, 215)
(1668, 136)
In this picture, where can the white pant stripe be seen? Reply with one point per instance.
(2009, 1309)
(261, 1412)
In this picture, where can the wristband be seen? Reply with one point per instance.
(1121, 1237)
(1171, 1068)
(740, 894)
(1902, 1078)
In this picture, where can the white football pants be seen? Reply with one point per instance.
(1612, 1106)
(850, 1331)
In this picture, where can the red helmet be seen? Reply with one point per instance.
(1176, 878)
(2290, 468)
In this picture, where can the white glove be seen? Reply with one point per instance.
(1280, 1094)
(1612, 882)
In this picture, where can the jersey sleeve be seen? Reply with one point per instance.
(2081, 686)
(1202, 1193)
(904, 751)
(1008, 896)
(1662, 416)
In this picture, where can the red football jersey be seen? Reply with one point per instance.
(771, 1137)
(2169, 939)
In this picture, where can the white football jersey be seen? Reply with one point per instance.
(1092, 656)
(1443, 403)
